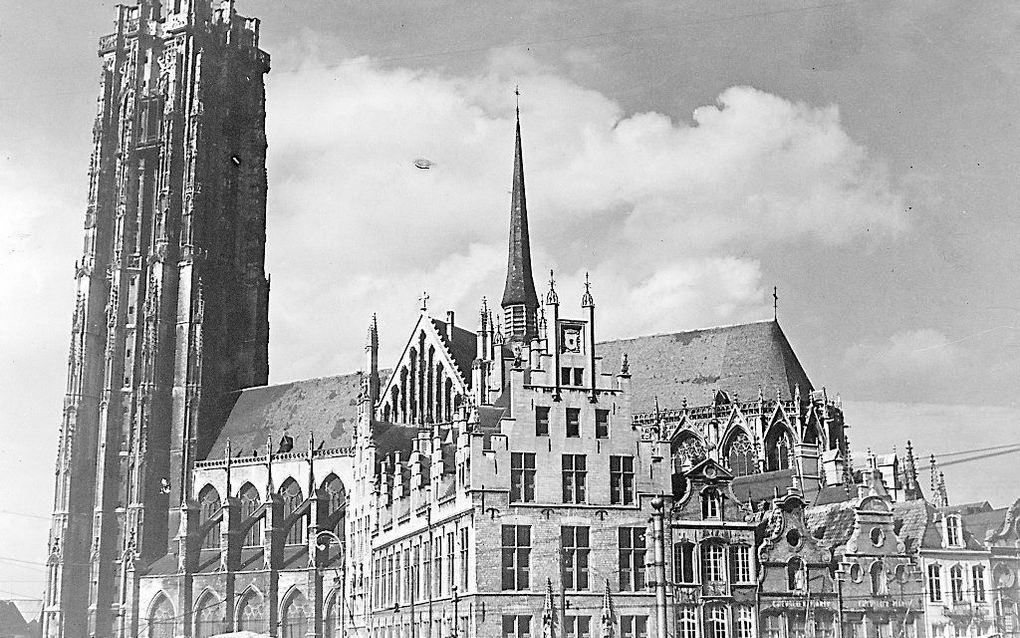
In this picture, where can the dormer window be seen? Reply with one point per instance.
(954, 532)
(711, 504)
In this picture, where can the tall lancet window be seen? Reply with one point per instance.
(209, 503)
(778, 448)
(740, 455)
(292, 499)
(250, 502)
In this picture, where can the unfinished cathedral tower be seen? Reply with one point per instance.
(172, 300)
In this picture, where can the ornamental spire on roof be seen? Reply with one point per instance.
(520, 301)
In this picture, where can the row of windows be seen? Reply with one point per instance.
(520, 626)
(957, 585)
(429, 569)
(574, 474)
(250, 501)
(250, 614)
(575, 555)
(796, 625)
(717, 622)
(708, 563)
(573, 422)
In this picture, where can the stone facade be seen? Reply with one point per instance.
(515, 478)
(171, 308)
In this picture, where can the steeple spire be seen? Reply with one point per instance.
(520, 301)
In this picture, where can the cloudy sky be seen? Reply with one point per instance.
(860, 155)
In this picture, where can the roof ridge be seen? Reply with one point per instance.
(293, 381)
(679, 332)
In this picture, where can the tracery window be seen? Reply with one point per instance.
(251, 613)
(740, 455)
(296, 613)
(292, 499)
(336, 499)
(161, 619)
(687, 452)
(208, 616)
(209, 504)
(778, 445)
(250, 501)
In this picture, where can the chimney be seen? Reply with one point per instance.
(449, 326)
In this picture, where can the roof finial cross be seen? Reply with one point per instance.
(517, 92)
(775, 303)
(424, 301)
(552, 279)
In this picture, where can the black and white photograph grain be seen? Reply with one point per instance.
(510, 319)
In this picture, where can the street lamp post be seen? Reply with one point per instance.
(329, 535)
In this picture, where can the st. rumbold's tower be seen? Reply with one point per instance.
(171, 307)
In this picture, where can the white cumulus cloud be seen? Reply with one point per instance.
(666, 215)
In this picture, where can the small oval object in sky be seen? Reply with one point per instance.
(423, 163)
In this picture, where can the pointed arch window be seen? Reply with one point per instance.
(161, 618)
(208, 616)
(209, 506)
(778, 447)
(250, 503)
(290, 491)
(740, 456)
(336, 499)
(331, 618)
(251, 613)
(296, 613)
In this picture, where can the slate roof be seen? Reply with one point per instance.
(12, 623)
(464, 346)
(832, 524)
(738, 359)
(980, 523)
(327, 407)
(520, 283)
(762, 486)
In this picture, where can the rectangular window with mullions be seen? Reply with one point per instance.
(633, 626)
(516, 557)
(542, 420)
(575, 473)
(573, 423)
(621, 480)
(740, 563)
(632, 558)
(577, 627)
(575, 547)
(517, 626)
(522, 477)
(601, 424)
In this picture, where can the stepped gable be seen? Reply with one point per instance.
(327, 407)
(463, 347)
(693, 365)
